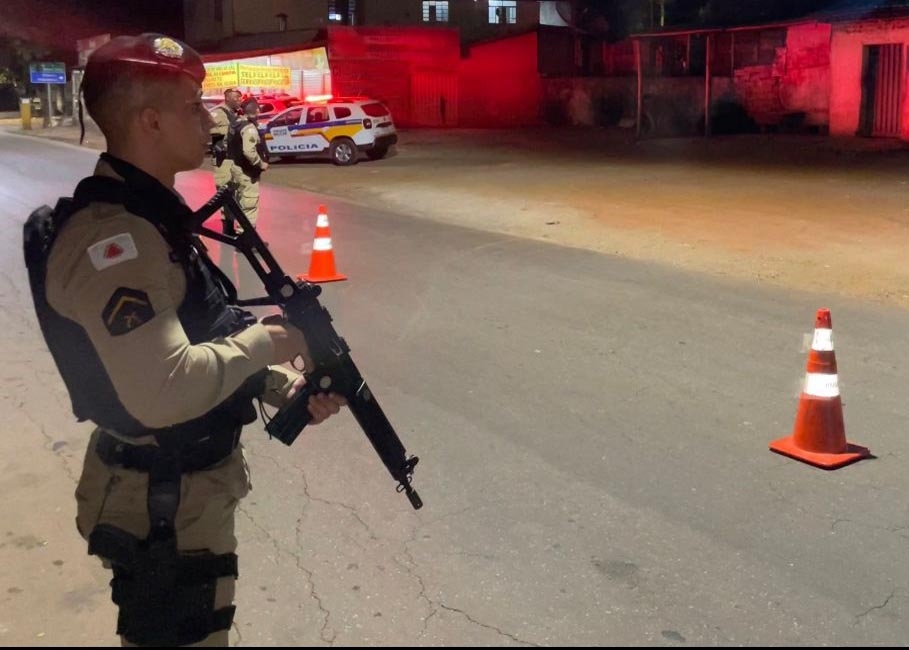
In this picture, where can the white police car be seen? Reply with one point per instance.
(340, 128)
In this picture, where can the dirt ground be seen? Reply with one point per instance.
(806, 212)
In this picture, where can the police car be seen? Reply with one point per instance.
(339, 128)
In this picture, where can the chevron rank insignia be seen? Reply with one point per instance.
(126, 310)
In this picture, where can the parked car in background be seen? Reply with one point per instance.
(338, 128)
(271, 105)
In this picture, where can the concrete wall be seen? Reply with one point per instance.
(673, 106)
(797, 81)
(240, 17)
(471, 18)
(499, 85)
(261, 15)
(846, 53)
(381, 62)
(588, 101)
(199, 24)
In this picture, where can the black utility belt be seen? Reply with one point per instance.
(196, 456)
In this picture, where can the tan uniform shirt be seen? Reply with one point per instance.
(250, 134)
(222, 122)
(159, 376)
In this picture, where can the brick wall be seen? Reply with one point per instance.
(796, 83)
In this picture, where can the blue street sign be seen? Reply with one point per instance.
(47, 73)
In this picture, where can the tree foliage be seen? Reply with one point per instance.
(15, 56)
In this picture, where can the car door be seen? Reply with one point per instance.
(312, 135)
(279, 133)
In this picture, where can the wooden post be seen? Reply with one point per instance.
(732, 55)
(688, 54)
(640, 89)
(707, 88)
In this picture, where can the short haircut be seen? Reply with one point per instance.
(114, 99)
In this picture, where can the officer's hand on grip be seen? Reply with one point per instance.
(321, 405)
(288, 341)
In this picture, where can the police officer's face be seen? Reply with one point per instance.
(185, 126)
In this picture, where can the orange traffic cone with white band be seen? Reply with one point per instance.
(819, 436)
(322, 263)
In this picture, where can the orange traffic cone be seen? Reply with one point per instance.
(819, 437)
(322, 263)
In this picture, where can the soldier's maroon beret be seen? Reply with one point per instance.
(147, 54)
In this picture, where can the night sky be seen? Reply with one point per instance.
(57, 24)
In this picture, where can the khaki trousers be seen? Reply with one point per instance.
(247, 194)
(205, 518)
(223, 176)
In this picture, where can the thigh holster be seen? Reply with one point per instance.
(166, 597)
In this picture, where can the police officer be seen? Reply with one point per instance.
(141, 325)
(224, 116)
(250, 159)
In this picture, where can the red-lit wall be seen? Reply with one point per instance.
(380, 62)
(797, 81)
(499, 85)
(419, 74)
(846, 53)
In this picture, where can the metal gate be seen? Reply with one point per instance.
(887, 91)
(882, 90)
(434, 99)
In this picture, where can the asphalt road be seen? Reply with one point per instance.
(593, 439)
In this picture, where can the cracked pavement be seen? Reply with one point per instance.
(593, 441)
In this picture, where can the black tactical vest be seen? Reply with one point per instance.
(205, 313)
(235, 149)
(218, 140)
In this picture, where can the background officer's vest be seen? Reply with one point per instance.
(235, 148)
(219, 142)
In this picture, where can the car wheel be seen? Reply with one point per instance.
(377, 153)
(343, 151)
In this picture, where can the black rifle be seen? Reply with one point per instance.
(333, 369)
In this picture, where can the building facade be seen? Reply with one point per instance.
(868, 92)
(250, 24)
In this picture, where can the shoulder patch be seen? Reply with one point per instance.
(126, 310)
(112, 250)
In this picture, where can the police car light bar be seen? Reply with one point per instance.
(318, 98)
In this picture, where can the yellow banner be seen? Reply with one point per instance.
(221, 75)
(315, 59)
(262, 76)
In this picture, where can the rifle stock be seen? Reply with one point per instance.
(333, 370)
